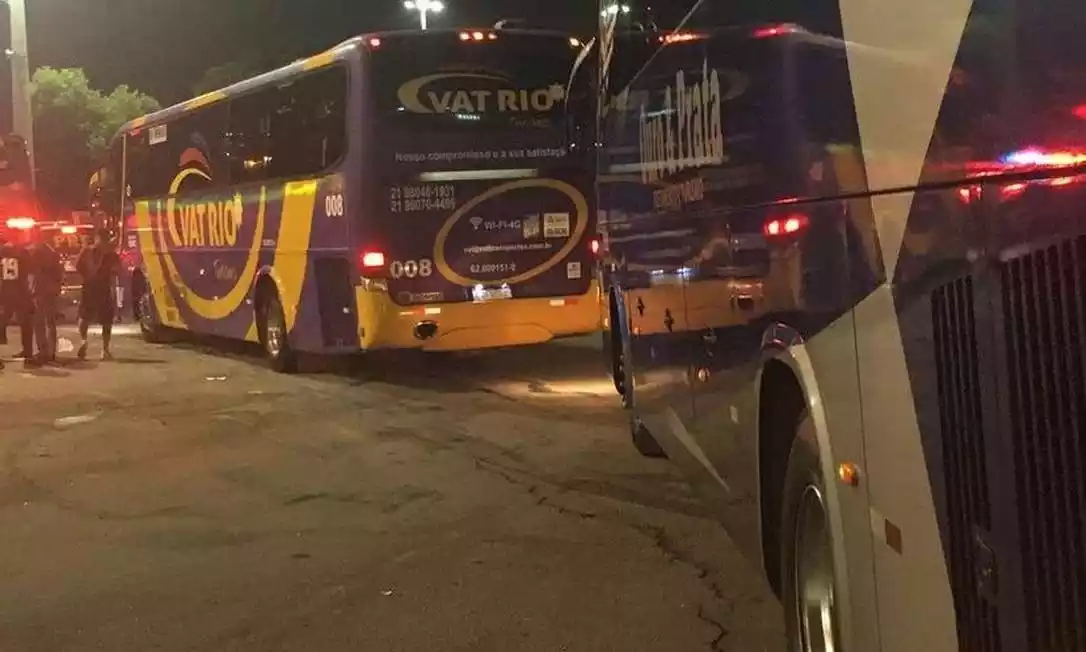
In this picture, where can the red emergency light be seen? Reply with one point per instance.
(21, 223)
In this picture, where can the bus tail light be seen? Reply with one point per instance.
(371, 262)
(478, 36)
(785, 226)
(594, 246)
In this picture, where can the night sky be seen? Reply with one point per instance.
(164, 46)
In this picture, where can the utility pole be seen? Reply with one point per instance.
(18, 57)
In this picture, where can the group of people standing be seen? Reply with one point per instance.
(31, 279)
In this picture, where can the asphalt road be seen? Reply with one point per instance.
(183, 497)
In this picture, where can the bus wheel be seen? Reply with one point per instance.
(643, 440)
(809, 585)
(150, 329)
(614, 348)
(273, 335)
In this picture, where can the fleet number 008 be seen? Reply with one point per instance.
(411, 268)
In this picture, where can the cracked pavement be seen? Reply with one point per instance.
(185, 498)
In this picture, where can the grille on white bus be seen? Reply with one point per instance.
(968, 503)
(1044, 326)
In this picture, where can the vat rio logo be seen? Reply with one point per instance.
(203, 223)
(474, 93)
(193, 218)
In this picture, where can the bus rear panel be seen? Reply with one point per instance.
(480, 219)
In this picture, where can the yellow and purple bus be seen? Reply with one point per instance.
(403, 190)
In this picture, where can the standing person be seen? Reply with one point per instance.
(4, 318)
(16, 297)
(99, 265)
(48, 282)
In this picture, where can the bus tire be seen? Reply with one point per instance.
(617, 349)
(644, 442)
(151, 331)
(808, 584)
(272, 329)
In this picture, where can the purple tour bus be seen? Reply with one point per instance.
(403, 190)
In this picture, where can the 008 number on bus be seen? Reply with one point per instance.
(334, 205)
(411, 268)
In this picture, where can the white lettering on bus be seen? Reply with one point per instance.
(686, 134)
(507, 100)
(540, 100)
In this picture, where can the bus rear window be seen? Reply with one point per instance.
(437, 82)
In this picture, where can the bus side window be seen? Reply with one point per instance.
(308, 125)
(248, 140)
(139, 175)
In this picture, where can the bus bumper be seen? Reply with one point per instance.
(383, 324)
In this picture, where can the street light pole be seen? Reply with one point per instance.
(424, 7)
(22, 118)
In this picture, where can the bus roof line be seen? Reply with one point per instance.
(318, 60)
(276, 75)
(456, 30)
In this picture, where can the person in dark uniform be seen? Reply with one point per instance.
(16, 297)
(48, 281)
(99, 265)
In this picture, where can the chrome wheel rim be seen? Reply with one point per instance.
(273, 335)
(146, 321)
(815, 607)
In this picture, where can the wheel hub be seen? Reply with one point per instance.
(274, 334)
(816, 610)
(146, 318)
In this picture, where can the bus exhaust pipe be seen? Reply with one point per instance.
(425, 330)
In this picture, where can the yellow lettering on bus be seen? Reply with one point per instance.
(234, 220)
(185, 214)
(214, 224)
(201, 224)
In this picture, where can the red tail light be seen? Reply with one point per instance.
(1010, 191)
(785, 226)
(775, 30)
(371, 261)
(594, 246)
